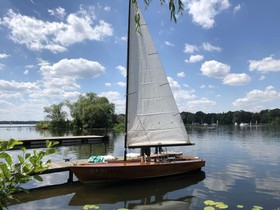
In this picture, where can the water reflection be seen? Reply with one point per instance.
(242, 167)
(270, 185)
(154, 194)
(180, 204)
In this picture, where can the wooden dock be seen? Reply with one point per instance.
(55, 167)
(18, 126)
(40, 142)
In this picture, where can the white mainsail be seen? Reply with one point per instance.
(153, 118)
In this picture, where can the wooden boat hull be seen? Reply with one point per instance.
(132, 170)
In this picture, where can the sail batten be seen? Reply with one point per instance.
(153, 116)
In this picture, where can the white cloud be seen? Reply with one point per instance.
(268, 64)
(122, 70)
(27, 68)
(78, 29)
(258, 97)
(107, 8)
(203, 12)
(121, 84)
(237, 8)
(11, 86)
(194, 59)
(190, 48)
(262, 77)
(61, 83)
(208, 47)
(5, 104)
(30, 98)
(58, 12)
(214, 69)
(115, 97)
(58, 82)
(108, 84)
(203, 104)
(169, 44)
(181, 74)
(236, 79)
(55, 36)
(124, 38)
(181, 96)
(209, 86)
(73, 68)
(60, 79)
(4, 55)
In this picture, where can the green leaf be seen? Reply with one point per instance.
(55, 143)
(221, 205)
(51, 151)
(7, 158)
(21, 159)
(27, 155)
(5, 170)
(209, 202)
(23, 149)
(48, 143)
(13, 142)
(86, 207)
(209, 208)
(38, 178)
(27, 169)
(255, 207)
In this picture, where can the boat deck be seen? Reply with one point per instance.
(64, 166)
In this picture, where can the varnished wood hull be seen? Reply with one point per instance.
(132, 170)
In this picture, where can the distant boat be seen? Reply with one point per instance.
(243, 124)
(152, 117)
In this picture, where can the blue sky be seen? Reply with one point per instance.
(221, 55)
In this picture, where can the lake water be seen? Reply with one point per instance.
(242, 168)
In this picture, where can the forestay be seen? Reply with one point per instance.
(153, 116)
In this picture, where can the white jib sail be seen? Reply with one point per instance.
(153, 116)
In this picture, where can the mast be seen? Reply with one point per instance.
(127, 81)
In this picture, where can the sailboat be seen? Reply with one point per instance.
(152, 116)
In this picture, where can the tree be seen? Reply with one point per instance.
(200, 117)
(119, 123)
(56, 115)
(14, 174)
(92, 111)
(175, 7)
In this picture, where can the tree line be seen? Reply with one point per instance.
(91, 111)
(263, 117)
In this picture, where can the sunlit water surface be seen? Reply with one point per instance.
(242, 168)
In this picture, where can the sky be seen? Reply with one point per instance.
(220, 56)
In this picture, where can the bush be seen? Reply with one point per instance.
(27, 167)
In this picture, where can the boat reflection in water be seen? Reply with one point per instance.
(151, 194)
(179, 204)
